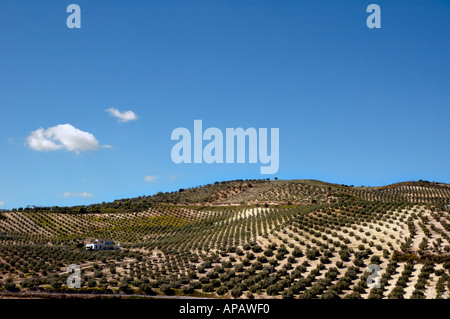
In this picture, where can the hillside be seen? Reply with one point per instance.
(246, 239)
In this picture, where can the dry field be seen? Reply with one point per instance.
(240, 239)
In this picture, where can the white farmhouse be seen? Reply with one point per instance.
(102, 244)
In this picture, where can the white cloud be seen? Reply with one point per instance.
(124, 116)
(74, 194)
(150, 179)
(63, 136)
(2, 203)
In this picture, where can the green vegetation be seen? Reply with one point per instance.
(240, 239)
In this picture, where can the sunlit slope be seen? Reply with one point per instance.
(262, 239)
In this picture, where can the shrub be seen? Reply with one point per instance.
(236, 292)
(145, 288)
(167, 290)
(208, 288)
(221, 290)
(10, 286)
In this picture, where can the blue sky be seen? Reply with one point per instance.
(353, 105)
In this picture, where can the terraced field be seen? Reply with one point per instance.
(241, 239)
